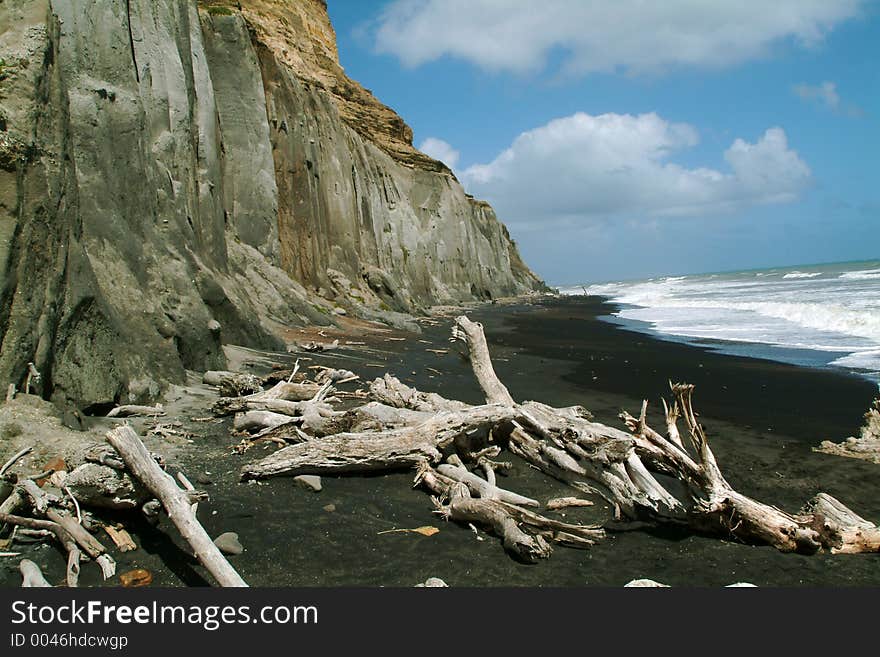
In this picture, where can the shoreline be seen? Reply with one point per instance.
(812, 403)
(542, 350)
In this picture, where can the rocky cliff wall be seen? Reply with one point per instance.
(175, 176)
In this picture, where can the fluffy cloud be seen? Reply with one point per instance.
(825, 93)
(628, 35)
(585, 166)
(440, 150)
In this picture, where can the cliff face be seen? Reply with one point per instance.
(174, 176)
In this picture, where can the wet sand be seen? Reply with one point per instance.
(762, 417)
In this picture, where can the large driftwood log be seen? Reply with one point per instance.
(471, 333)
(131, 410)
(395, 449)
(176, 502)
(714, 506)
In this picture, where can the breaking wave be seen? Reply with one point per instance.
(864, 275)
(833, 308)
(803, 274)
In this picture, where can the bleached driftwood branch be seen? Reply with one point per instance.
(176, 502)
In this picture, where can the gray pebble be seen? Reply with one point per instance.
(433, 583)
(312, 482)
(228, 543)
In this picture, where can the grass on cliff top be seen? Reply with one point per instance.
(218, 7)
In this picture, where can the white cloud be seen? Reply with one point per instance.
(825, 93)
(619, 165)
(440, 150)
(629, 35)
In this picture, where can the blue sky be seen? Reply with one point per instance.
(624, 139)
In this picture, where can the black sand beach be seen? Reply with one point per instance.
(762, 417)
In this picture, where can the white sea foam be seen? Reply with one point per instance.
(863, 275)
(864, 360)
(803, 274)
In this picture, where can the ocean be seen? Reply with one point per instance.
(813, 315)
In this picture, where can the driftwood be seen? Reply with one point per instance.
(335, 376)
(132, 410)
(714, 506)
(89, 544)
(313, 346)
(567, 502)
(391, 392)
(176, 502)
(46, 505)
(258, 420)
(264, 411)
(14, 458)
(451, 443)
(866, 446)
(281, 391)
(121, 538)
(233, 384)
(14, 502)
(66, 540)
(31, 575)
(506, 520)
(105, 487)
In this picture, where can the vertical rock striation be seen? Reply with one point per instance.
(167, 167)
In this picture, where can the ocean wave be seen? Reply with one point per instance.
(834, 311)
(823, 317)
(860, 360)
(863, 275)
(827, 317)
(801, 274)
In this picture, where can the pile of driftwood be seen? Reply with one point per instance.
(123, 475)
(454, 449)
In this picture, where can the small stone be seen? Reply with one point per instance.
(203, 479)
(228, 543)
(645, 583)
(329, 508)
(311, 482)
(433, 583)
(338, 310)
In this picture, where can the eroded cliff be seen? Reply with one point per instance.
(175, 176)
